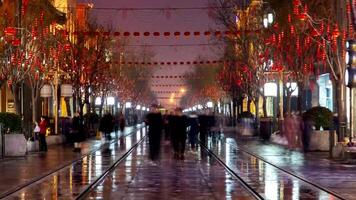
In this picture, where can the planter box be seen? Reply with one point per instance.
(55, 139)
(15, 145)
(319, 141)
(32, 146)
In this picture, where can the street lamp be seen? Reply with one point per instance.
(350, 77)
(268, 17)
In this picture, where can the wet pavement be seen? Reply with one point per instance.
(199, 176)
(267, 180)
(313, 166)
(18, 172)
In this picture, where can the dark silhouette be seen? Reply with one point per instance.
(179, 133)
(154, 122)
(193, 131)
(203, 128)
(107, 125)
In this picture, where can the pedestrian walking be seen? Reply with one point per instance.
(155, 123)
(122, 122)
(166, 126)
(42, 134)
(308, 125)
(179, 133)
(193, 130)
(107, 125)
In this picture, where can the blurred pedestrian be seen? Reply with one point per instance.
(107, 125)
(42, 134)
(193, 130)
(155, 123)
(179, 133)
(122, 122)
(308, 125)
(166, 126)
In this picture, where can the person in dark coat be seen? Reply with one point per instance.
(155, 123)
(193, 131)
(107, 125)
(179, 133)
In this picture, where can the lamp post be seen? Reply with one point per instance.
(350, 78)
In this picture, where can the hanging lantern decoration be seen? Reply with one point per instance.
(66, 90)
(46, 91)
(16, 42)
(336, 32)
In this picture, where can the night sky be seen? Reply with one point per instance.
(160, 21)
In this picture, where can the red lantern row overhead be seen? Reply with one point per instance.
(164, 34)
(207, 62)
(169, 85)
(171, 77)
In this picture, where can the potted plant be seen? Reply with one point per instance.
(322, 120)
(15, 141)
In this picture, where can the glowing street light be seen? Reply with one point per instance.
(128, 104)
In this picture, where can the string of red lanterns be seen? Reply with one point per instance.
(217, 33)
(171, 77)
(169, 85)
(207, 62)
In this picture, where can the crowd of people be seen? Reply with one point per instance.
(176, 128)
(75, 130)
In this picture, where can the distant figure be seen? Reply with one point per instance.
(308, 125)
(107, 125)
(42, 134)
(166, 125)
(122, 122)
(193, 131)
(154, 122)
(179, 133)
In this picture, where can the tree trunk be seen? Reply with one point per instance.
(15, 90)
(234, 114)
(249, 105)
(288, 103)
(301, 98)
(341, 108)
(101, 105)
(264, 106)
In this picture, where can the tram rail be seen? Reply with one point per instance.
(67, 164)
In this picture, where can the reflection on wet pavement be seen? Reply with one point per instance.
(269, 181)
(72, 180)
(197, 177)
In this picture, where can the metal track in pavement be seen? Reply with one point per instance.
(32, 181)
(234, 174)
(290, 173)
(84, 193)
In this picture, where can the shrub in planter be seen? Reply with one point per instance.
(321, 116)
(11, 121)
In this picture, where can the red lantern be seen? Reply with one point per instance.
(166, 34)
(10, 31)
(16, 42)
(336, 32)
(187, 33)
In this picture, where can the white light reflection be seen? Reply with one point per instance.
(295, 194)
(228, 161)
(98, 163)
(271, 183)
